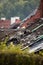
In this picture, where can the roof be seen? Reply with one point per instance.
(33, 13)
(4, 23)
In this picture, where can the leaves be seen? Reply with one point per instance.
(21, 8)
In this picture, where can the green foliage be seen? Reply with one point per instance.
(22, 8)
(11, 48)
(20, 59)
(12, 55)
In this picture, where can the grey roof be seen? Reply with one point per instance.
(36, 47)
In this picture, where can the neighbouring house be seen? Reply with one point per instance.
(4, 23)
(7, 23)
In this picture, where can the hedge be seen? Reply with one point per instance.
(12, 55)
(20, 59)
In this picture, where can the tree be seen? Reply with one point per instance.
(22, 8)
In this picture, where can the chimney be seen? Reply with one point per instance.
(14, 20)
(3, 18)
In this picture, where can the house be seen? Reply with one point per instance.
(8, 23)
(4, 23)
